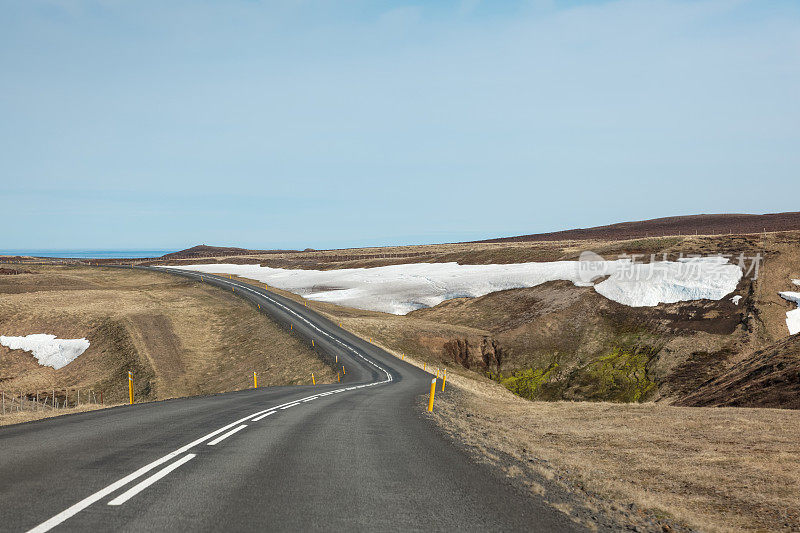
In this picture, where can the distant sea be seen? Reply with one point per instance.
(89, 254)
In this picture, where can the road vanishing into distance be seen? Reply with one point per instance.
(357, 455)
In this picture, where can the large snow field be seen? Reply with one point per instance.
(47, 349)
(793, 316)
(400, 289)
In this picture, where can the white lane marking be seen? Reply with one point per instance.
(226, 435)
(265, 415)
(102, 493)
(290, 405)
(309, 399)
(139, 487)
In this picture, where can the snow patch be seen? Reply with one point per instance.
(400, 289)
(793, 316)
(47, 349)
(796, 281)
(736, 299)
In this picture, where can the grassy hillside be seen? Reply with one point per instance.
(179, 337)
(557, 341)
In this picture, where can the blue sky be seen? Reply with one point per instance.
(159, 125)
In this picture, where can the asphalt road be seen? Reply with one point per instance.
(359, 455)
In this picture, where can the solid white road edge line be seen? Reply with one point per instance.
(139, 487)
(247, 287)
(226, 435)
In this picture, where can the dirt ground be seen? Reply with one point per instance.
(179, 337)
(652, 466)
(649, 467)
(29, 416)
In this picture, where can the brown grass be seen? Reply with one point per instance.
(179, 337)
(716, 469)
(18, 417)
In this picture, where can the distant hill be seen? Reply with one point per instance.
(214, 251)
(682, 225)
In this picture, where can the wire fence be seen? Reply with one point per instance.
(49, 400)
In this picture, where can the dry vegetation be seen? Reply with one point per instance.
(557, 341)
(179, 337)
(655, 464)
(649, 465)
(713, 469)
(18, 417)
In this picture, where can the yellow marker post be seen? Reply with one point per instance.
(437, 372)
(433, 392)
(313, 380)
(338, 377)
(255, 381)
(312, 343)
(337, 358)
(444, 379)
(424, 367)
(130, 387)
(343, 370)
(290, 327)
(259, 306)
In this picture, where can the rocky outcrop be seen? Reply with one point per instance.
(465, 353)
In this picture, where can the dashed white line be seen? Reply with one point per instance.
(226, 435)
(139, 487)
(290, 405)
(265, 415)
(102, 493)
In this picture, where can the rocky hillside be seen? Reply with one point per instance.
(768, 378)
(558, 341)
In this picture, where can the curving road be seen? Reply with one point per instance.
(352, 456)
